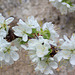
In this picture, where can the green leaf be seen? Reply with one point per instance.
(45, 34)
(34, 31)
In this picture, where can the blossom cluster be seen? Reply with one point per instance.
(38, 41)
(8, 52)
(44, 47)
(64, 6)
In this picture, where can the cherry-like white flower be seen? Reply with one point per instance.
(32, 23)
(50, 27)
(68, 50)
(22, 30)
(8, 53)
(5, 22)
(38, 47)
(42, 47)
(46, 66)
(11, 54)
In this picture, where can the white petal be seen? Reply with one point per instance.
(48, 70)
(1, 56)
(17, 30)
(54, 35)
(7, 57)
(67, 46)
(28, 30)
(21, 22)
(14, 55)
(65, 37)
(72, 60)
(3, 33)
(51, 58)
(41, 51)
(54, 65)
(32, 22)
(48, 25)
(23, 46)
(1, 19)
(58, 56)
(25, 37)
(9, 20)
(66, 54)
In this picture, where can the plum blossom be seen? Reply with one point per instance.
(38, 50)
(68, 50)
(46, 66)
(5, 22)
(38, 46)
(53, 34)
(8, 53)
(22, 30)
(32, 23)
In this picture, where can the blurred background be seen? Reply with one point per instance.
(43, 11)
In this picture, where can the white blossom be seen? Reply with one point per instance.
(8, 53)
(11, 54)
(68, 50)
(53, 35)
(5, 22)
(40, 45)
(32, 23)
(22, 30)
(46, 66)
